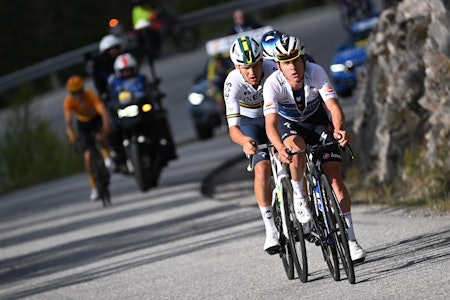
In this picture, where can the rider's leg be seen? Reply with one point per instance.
(297, 167)
(333, 171)
(263, 193)
(88, 168)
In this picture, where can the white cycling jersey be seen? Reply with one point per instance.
(241, 98)
(279, 97)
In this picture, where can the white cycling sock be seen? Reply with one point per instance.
(298, 187)
(350, 231)
(267, 216)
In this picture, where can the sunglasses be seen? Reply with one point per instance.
(295, 53)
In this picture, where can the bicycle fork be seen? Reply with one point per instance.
(320, 210)
(277, 195)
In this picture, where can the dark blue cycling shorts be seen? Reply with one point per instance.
(87, 132)
(313, 133)
(256, 129)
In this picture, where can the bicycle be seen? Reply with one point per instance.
(99, 171)
(329, 229)
(291, 237)
(101, 176)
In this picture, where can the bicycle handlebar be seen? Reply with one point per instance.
(309, 148)
(315, 148)
(250, 157)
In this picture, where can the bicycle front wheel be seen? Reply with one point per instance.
(339, 229)
(295, 229)
(101, 177)
(320, 234)
(285, 251)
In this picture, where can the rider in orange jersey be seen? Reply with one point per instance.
(92, 123)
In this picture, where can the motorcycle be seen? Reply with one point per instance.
(204, 109)
(142, 121)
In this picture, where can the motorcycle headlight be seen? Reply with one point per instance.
(128, 112)
(338, 68)
(196, 98)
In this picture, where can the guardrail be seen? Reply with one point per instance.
(201, 17)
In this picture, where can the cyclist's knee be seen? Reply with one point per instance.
(295, 143)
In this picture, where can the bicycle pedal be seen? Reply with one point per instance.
(313, 240)
(273, 250)
(359, 261)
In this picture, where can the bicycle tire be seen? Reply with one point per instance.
(339, 229)
(319, 228)
(101, 177)
(141, 167)
(295, 231)
(285, 255)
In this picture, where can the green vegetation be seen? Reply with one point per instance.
(416, 185)
(30, 152)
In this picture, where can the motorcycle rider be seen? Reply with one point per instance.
(217, 70)
(102, 69)
(127, 78)
(92, 123)
(149, 39)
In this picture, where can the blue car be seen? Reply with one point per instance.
(351, 57)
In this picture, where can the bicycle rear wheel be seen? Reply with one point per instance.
(319, 234)
(296, 238)
(339, 229)
(285, 251)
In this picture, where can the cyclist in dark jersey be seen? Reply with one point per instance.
(301, 107)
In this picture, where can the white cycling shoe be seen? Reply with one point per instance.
(356, 252)
(272, 245)
(94, 195)
(301, 209)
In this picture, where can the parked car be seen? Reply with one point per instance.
(350, 57)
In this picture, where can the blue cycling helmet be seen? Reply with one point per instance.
(268, 41)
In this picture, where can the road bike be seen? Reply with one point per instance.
(329, 229)
(291, 237)
(101, 174)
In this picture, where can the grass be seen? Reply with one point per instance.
(30, 151)
(417, 184)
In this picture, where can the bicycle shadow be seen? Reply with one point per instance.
(153, 240)
(420, 252)
(388, 260)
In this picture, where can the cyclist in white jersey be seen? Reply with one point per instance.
(301, 107)
(244, 112)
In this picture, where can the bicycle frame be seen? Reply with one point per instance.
(332, 229)
(315, 170)
(292, 243)
(279, 172)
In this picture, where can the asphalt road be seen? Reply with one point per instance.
(174, 242)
